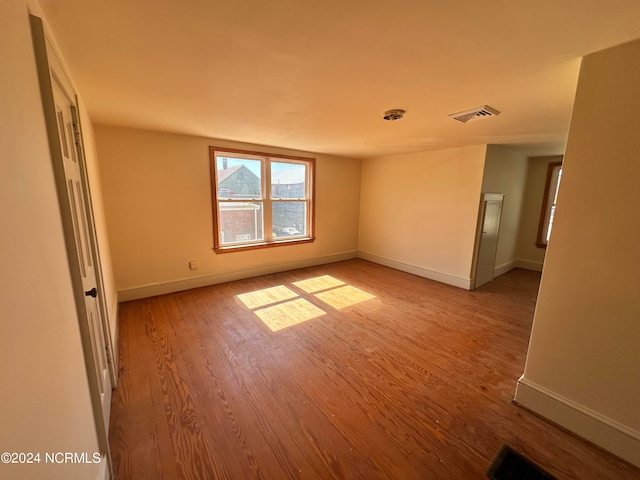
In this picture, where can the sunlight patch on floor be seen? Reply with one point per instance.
(316, 284)
(288, 314)
(280, 307)
(344, 296)
(267, 296)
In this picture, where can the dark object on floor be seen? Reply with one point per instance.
(510, 465)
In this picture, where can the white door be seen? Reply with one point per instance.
(71, 150)
(490, 228)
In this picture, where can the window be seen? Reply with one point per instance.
(260, 199)
(554, 173)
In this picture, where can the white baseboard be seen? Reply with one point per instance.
(589, 424)
(510, 265)
(529, 265)
(152, 290)
(504, 268)
(420, 271)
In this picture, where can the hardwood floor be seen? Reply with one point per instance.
(415, 383)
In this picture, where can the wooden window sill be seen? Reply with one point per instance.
(257, 246)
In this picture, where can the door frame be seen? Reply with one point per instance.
(43, 66)
(484, 197)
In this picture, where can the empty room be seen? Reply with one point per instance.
(348, 240)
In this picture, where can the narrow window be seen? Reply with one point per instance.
(554, 174)
(260, 199)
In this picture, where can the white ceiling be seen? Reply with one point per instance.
(317, 75)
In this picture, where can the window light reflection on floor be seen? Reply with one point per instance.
(312, 285)
(344, 296)
(280, 307)
(266, 296)
(287, 314)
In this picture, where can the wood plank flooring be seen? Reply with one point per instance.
(415, 383)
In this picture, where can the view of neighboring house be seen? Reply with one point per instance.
(239, 221)
(238, 182)
(242, 218)
(288, 217)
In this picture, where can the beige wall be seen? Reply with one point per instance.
(157, 198)
(528, 254)
(418, 212)
(44, 404)
(583, 364)
(505, 172)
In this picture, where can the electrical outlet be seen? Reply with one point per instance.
(193, 265)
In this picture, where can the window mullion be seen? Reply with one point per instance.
(267, 203)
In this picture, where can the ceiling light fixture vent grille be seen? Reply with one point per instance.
(477, 113)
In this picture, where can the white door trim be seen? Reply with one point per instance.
(485, 197)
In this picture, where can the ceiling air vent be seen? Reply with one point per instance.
(395, 114)
(477, 113)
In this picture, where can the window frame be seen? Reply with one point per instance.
(267, 201)
(548, 202)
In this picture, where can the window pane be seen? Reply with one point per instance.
(238, 177)
(558, 177)
(547, 213)
(288, 180)
(289, 219)
(553, 210)
(553, 196)
(240, 222)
